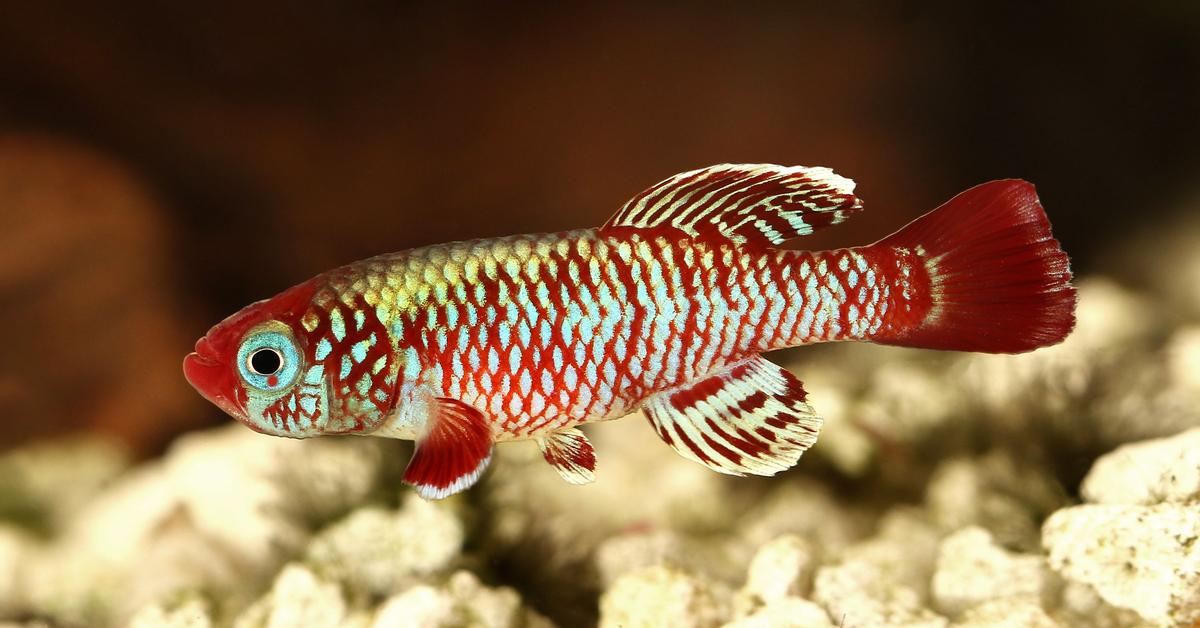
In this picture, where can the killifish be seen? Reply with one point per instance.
(667, 308)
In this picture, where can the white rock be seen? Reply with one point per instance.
(462, 601)
(904, 404)
(860, 594)
(782, 568)
(57, 478)
(298, 598)
(116, 527)
(1008, 497)
(807, 509)
(624, 553)
(418, 607)
(1081, 606)
(483, 606)
(190, 612)
(377, 551)
(1109, 314)
(127, 547)
(1183, 357)
(1149, 472)
(843, 441)
(718, 556)
(17, 548)
(360, 618)
(885, 579)
(787, 612)
(1007, 612)
(660, 596)
(1145, 558)
(258, 495)
(972, 569)
(1051, 382)
(641, 483)
(905, 548)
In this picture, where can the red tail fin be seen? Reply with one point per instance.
(999, 281)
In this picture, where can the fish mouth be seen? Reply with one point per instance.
(213, 380)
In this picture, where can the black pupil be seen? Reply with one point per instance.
(266, 361)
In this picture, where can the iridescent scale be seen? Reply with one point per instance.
(543, 332)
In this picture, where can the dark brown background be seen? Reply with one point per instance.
(168, 164)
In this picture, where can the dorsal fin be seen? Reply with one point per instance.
(759, 204)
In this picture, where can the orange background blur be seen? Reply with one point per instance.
(162, 166)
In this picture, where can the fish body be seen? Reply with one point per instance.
(666, 308)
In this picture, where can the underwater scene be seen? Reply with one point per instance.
(361, 315)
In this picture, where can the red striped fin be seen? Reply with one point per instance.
(571, 454)
(452, 455)
(760, 204)
(998, 280)
(747, 418)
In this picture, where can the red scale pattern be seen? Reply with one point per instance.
(350, 410)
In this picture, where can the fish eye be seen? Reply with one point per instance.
(269, 359)
(266, 361)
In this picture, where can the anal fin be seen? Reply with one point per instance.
(749, 417)
(453, 452)
(571, 454)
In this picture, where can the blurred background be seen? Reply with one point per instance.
(163, 165)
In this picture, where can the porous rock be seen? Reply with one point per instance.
(1021, 611)
(885, 579)
(190, 611)
(785, 612)
(1006, 496)
(1144, 558)
(1148, 472)
(1080, 605)
(903, 404)
(260, 495)
(843, 441)
(661, 596)
(299, 597)
(972, 569)
(782, 568)
(462, 601)
(1183, 357)
(46, 484)
(808, 509)
(221, 512)
(128, 546)
(1080, 391)
(377, 551)
(421, 605)
(530, 500)
(635, 550)
(17, 548)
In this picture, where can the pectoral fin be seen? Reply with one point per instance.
(570, 453)
(749, 417)
(453, 452)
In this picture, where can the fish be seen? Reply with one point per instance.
(667, 308)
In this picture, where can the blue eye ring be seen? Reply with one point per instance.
(267, 349)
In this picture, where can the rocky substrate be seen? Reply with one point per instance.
(1058, 488)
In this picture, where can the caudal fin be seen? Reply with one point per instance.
(999, 281)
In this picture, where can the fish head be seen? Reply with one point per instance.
(257, 367)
